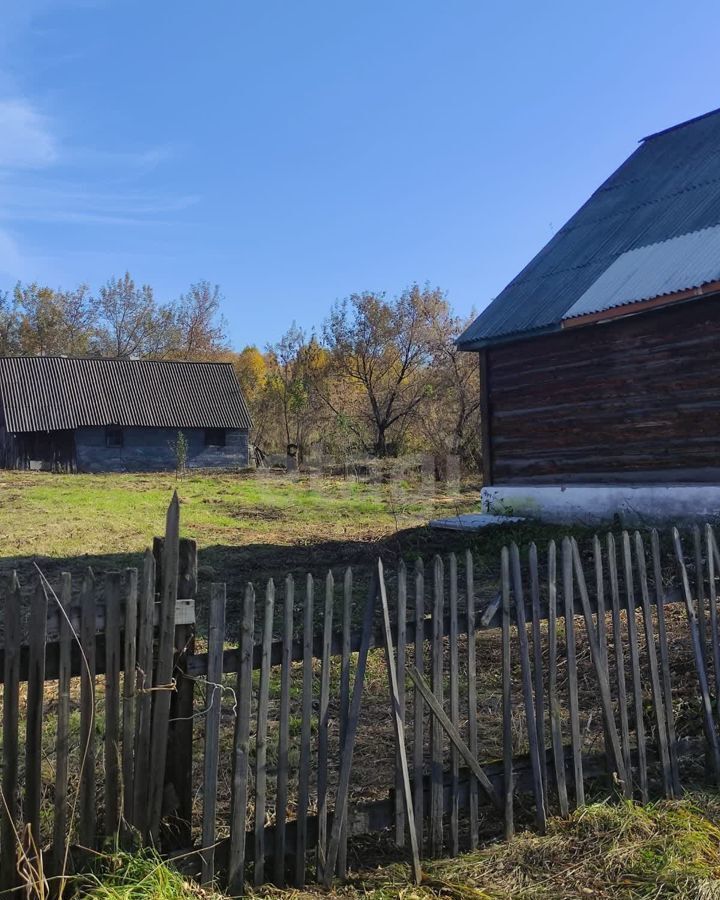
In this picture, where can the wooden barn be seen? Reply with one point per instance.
(119, 415)
(600, 361)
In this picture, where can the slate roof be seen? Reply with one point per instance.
(670, 186)
(47, 393)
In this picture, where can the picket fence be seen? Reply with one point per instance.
(150, 743)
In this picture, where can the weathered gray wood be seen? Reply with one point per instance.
(418, 706)
(305, 735)
(573, 702)
(539, 681)
(345, 696)
(553, 698)
(143, 707)
(281, 795)
(507, 696)
(619, 664)
(665, 663)
(165, 664)
(454, 710)
(34, 713)
(62, 735)
(86, 802)
(601, 672)
(261, 732)
(436, 739)
(710, 546)
(452, 732)
(472, 694)
(653, 663)
(10, 808)
(113, 590)
(708, 724)
(401, 644)
(128, 710)
(353, 718)
(700, 593)
(526, 676)
(241, 753)
(602, 631)
(634, 650)
(398, 725)
(324, 725)
(216, 641)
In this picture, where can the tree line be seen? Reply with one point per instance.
(380, 376)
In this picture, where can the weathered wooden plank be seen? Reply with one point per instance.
(398, 725)
(665, 663)
(216, 641)
(653, 664)
(710, 546)
(418, 707)
(634, 651)
(539, 681)
(526, 676)
(472, 694)
(602, 629)
(261, 733)
(128, 710)
(700, 593)
(86, 802)
(553, 698)
(241, 753)
(708, 724)
(113, 591)
(143, 707)
(454, 709)
(34, 713)
(281, 795)
(436, 760)
(305, 735)
(619, 664)
(573, 702)
(507, 696)
(401, 645)
(323, 726)
(345, 696)
(164, 669)
(10, 808)
(62, 734)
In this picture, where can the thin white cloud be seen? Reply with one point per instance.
(27, 139)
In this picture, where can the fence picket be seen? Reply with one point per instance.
(539, 681)
(261, 732)
(305, 734)
(345, 696)
(418, 707)
(436, 734)
(62, 737)
(281, 793)
(507, 696)
(10, 808)
(34, 715)
(128, 710)
(700, 593)
(88, 815)
(143, 707)
(323, 726)
(620, 665)
(709, 540)
(113, 587)
(553, 698)
(454, 711)
(634, 650)
(472, 694)
(400, 678)
(575, 734)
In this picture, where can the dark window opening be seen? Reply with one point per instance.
(114, 437)
(214, 437)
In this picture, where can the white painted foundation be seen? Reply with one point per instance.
(590, 504)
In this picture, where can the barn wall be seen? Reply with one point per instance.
(153, 449)
(634, 400)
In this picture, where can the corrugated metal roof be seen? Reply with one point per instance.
(668, 187)
(678, 264)
(48, 393)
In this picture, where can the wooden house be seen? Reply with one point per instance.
(120, 415)
(600, 361)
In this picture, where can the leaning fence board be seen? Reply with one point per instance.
(526, 676)
(398, 724)
(507, 696)
(454, 710)
(553, 698)
(9, 810)
(601, 629)
(216, 639)
(323, 726)
(653, 663)
(700, 592)
(143, 707)
(281, 791)
(34, 714)
(128, 710)
(305, 735)
(113, 587)
(401, 642)
(241, 753)
(665, 662)
(708, 724)
(88, 815)
(572, 677)
(261, 735)
(345, 696)
(472, 694)
(436, 735)
(633, 647)
(539, 681)
(418, 707)
(715, 638)
(62, 735)
(619, 664)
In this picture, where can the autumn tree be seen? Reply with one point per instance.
(9, 337)
(198, 322)
(133, 324)
(54, 322)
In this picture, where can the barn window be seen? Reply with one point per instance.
(214, 437)
(114, 436)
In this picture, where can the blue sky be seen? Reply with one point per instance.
(295, 152)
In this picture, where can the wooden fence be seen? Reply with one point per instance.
(247, 756)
